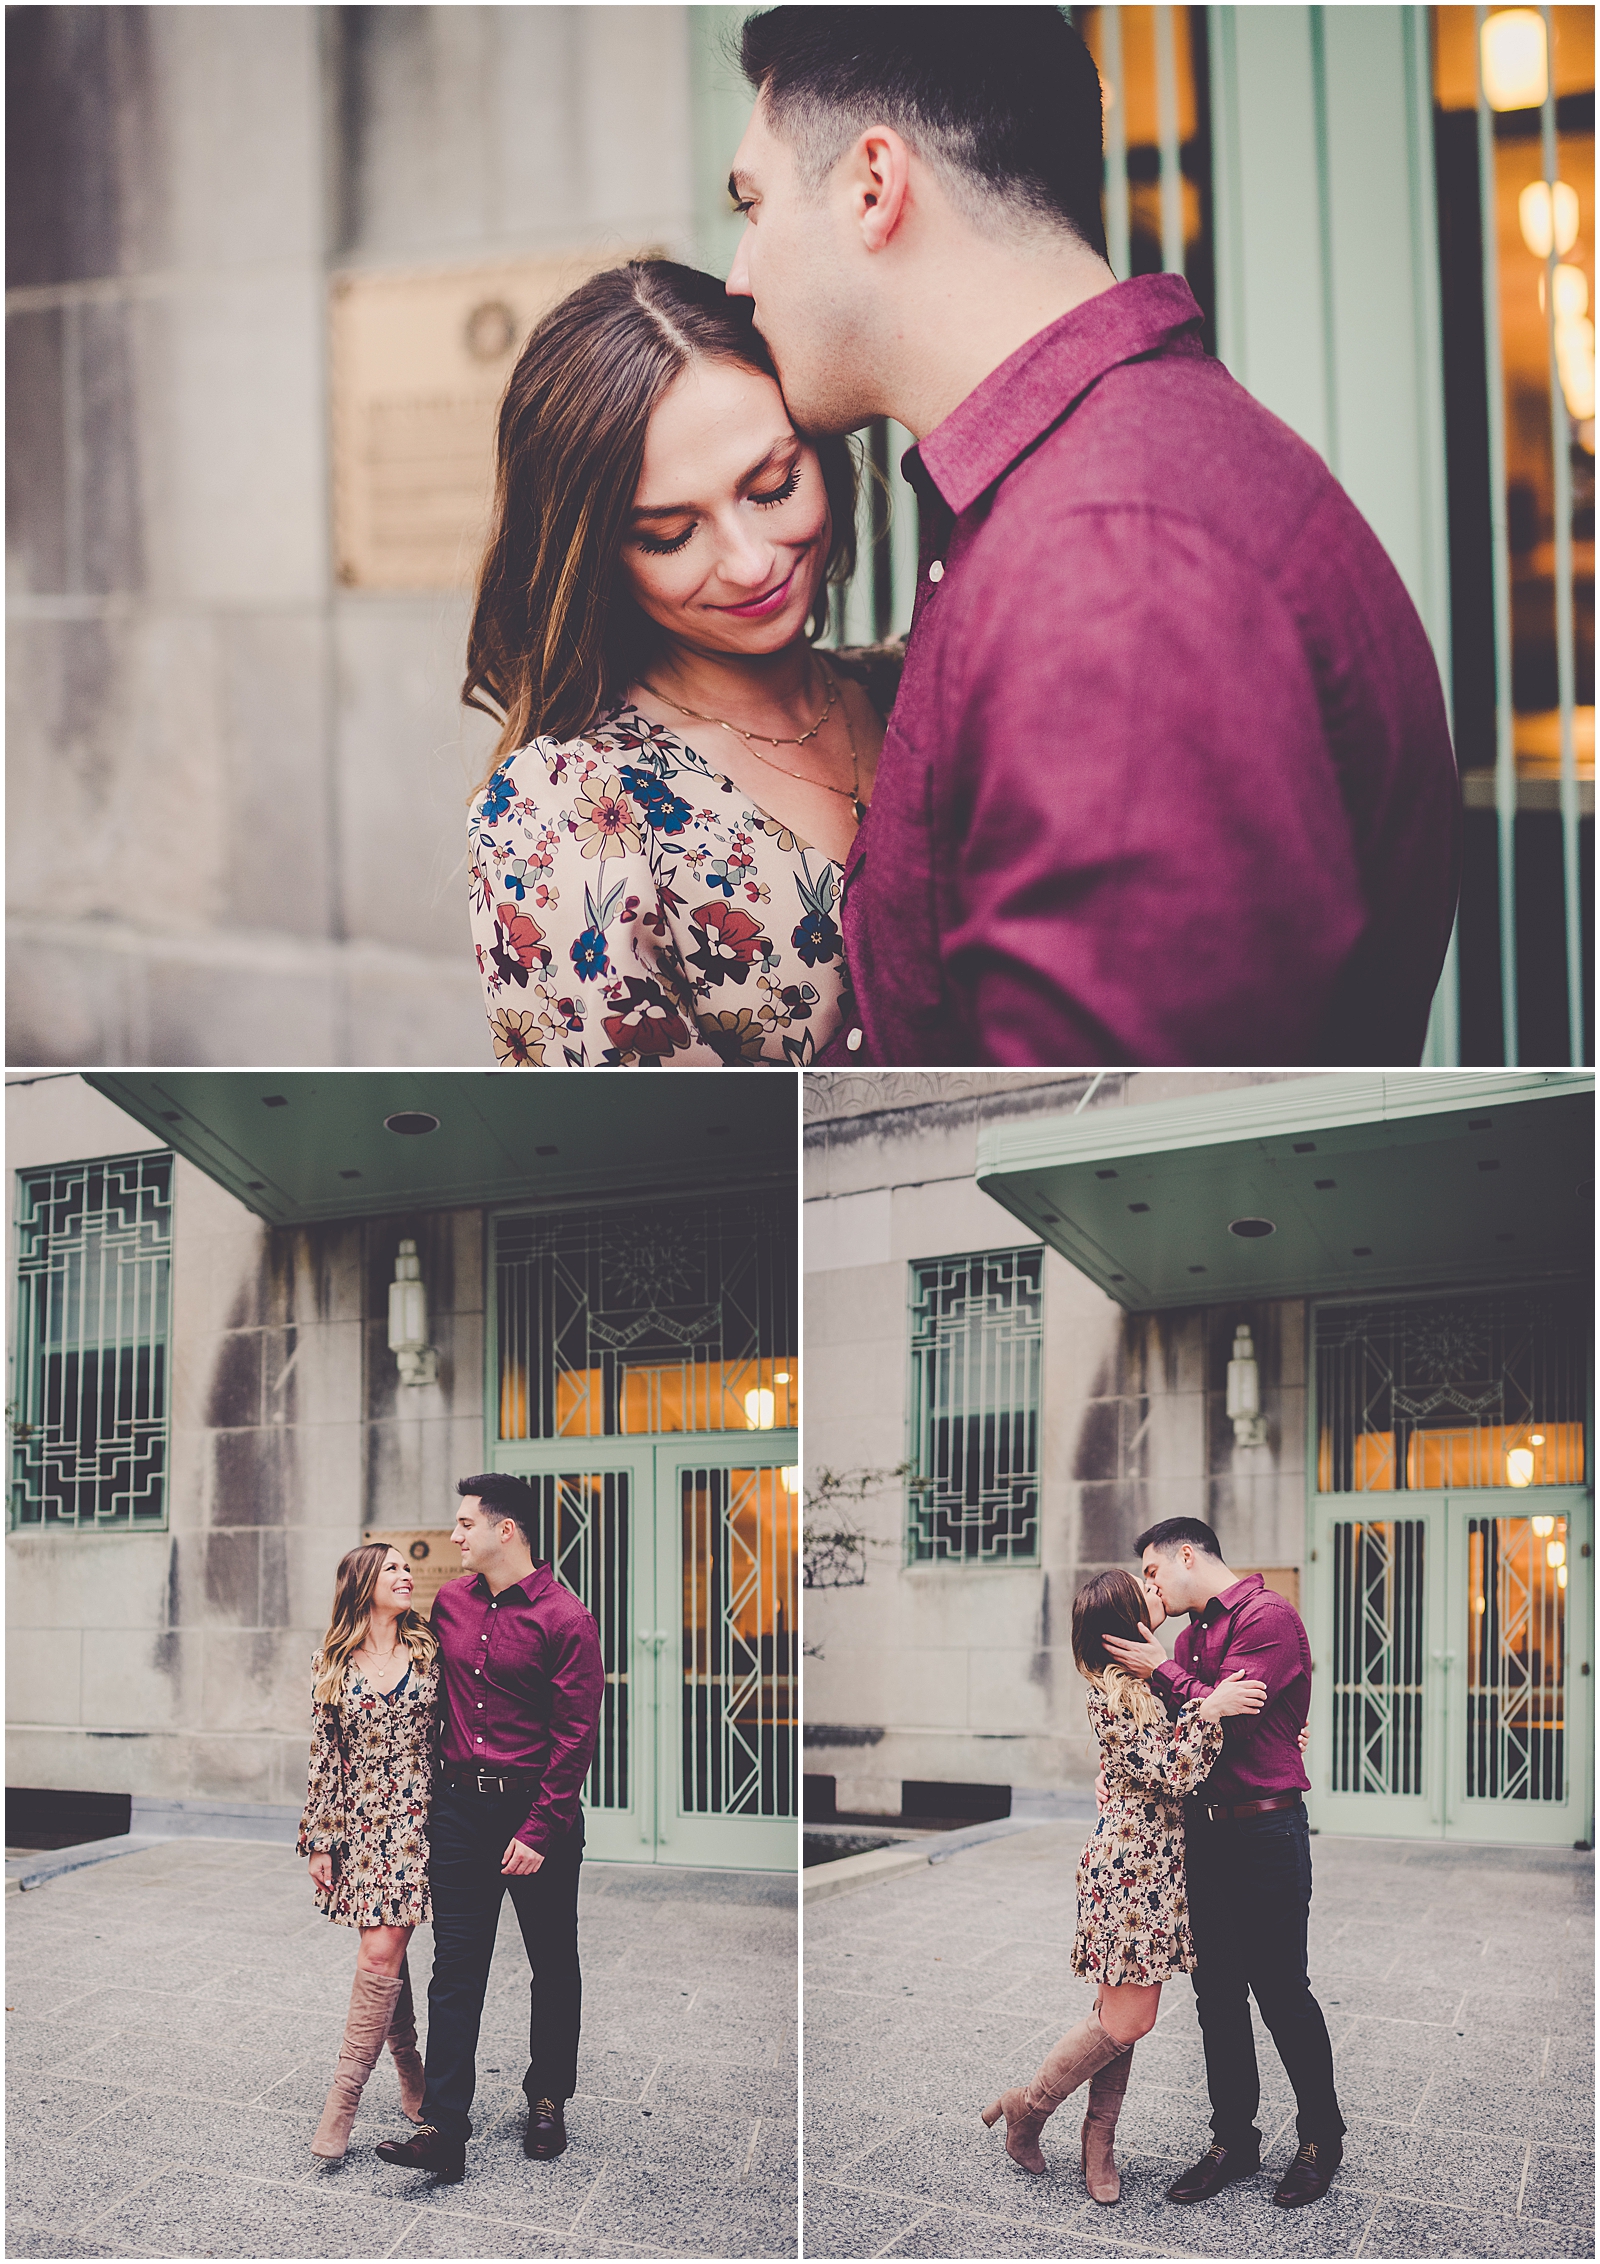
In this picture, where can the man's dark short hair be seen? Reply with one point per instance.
(1172, 1532)
(1004, 102)
(505, 1496)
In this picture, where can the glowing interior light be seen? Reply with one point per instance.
(1555, 1553)
(781, 1377)
(789, 1477)
(1572, 294)
(1519, 1467)
(1533, 215)
(1536, 1438)
(1516, 73)
(1575, 363)
(760, 1410)
(1544, 1527)
(1561, 1577)
(1482, 1606)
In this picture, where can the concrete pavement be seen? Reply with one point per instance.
(1458, 1984)
(173, 2018)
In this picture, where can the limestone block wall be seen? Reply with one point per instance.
(964, 1674)
(176, 1663)
(237, 791)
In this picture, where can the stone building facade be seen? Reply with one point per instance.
(945, 1674)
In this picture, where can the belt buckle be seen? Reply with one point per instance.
(490, 1783)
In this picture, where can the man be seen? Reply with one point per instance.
(1169, 777)
(522, 1683)
(1247, 1858)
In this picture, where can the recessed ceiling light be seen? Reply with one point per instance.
(1119, 1277)
(1252, 1229)
(1105, 1175)
(255, 1185)
(1305, 1147)
(349, 1175)
(1138, 1206)
(411, 1123)
(1050, 1218)
(1197, 1269)
(1364, 1251)
(274, 1100)
(1324, 1183)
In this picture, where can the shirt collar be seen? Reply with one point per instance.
(1018, 403)
(526, 1589)
(1231, 1598)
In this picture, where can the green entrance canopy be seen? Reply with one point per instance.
(296, 1147)
(1311, 1185)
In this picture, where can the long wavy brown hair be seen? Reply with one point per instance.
(1113, 1604)
(353, 1586)
(556, 638)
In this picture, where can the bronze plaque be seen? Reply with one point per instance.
(419, 362)
(431, 1554)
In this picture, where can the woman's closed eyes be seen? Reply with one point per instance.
(662, 547)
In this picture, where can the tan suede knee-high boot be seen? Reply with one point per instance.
(1079, 2054)
(372, 2003)
(1106, 2088)
(403, 2046)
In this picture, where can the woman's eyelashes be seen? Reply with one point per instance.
(663, 546)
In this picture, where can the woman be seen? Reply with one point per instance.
(657, 853)
(374, 1691)
(1133, 1918)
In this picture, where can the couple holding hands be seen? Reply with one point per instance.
(1200, 1863)
(1166, 776)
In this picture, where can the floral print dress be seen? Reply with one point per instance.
(634, 909)
(367, 1798)
(1133, 1906)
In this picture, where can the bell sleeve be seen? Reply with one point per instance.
(1169, 1759)
(322, 1821)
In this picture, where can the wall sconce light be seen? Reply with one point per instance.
(1516, 67)
(408, 1320)
(1244, 1392)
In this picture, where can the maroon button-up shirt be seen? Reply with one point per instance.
(1248, 1630)
(1168, 778)
(523, 1680)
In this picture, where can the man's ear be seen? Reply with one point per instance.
(879, 177)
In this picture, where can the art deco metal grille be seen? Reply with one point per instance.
(741, 1715)
(974, 1446)
(1377, 1656)
(90, 1419)
(583, 1536)
(1516, 1658)
(1453, 1392)
(649, 1319)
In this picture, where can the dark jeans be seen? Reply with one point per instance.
(1249, 1901)
(468, 1835)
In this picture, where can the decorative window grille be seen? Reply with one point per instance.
(90, 1420)
(1377, 1656)
(649, 1320)
(975, 1352)
(1453, 1393)
(583, 1537)
(741, 1713)
(1516, 1658)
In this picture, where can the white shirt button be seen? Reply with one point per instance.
(936, 571)
(853, 1042)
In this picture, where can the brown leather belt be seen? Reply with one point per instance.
(1219, 1812)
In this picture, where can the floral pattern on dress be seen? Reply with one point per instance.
(367, 1795)
(1133, 1903)
(632, 909)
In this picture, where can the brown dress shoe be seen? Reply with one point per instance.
(428, 2150)
(1218, 2166)
(1310, 2174)
(546, 2134)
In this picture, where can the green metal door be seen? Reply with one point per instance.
(643, 1375)
(1450, 1572)
(1452, 1696)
